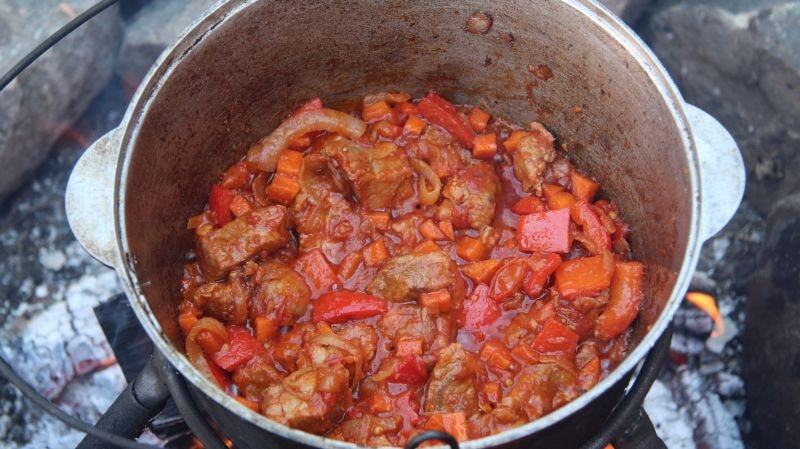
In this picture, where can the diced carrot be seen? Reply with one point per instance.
(263, 328)
(348, 266)
(240, 206)
(373, 112)
(548, 190)
(493, 392)
(426, 247)
(478, 119)
(583, 188)
(555, 337)
(379, 219)
(624, 301)
(470, 249)
(585, 275)
(528, 205)
(409, 346)
(283, 188)
(407, 108)
(485, 146)
(375, 253)
(300, 142)
(387, 129)
(436, 302)
(512, 143)
(497, 356)
(209, 341)
(414, 125)
(187, 320)
(247, 403)
(447, 228)
(290, 162)
(429, 230)
(453, 423)
(483, 271)
(560, 200)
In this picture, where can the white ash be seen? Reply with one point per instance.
(671, 421)
(53, 260)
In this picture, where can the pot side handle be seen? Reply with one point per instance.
(722, 172)
(89, 199)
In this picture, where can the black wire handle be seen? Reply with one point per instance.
(432, 435)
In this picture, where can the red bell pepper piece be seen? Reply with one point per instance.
(342, 306)
(624, 300)
(410, 369)
(508, 279)
(585, 276)
(583, 215)
(316, 270)
(238, 350)
(546, 232)
(441, 112)
(219, 200)
(478, 310)
(222, 378)
(542, 266)
(555, 338)
(236, 177)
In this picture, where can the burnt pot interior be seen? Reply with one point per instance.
(224, 90)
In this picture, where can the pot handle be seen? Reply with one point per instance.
(722, 171)
(89, 199)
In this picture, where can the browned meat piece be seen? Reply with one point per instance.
(306, 345)
(532, 156)
(225, 301)
(538, 390)
(255, 376)
(369, 430)
(470, 197)
(222, 249)
(403, 278)
(311, 399)
(410, 321)
(452, 384)
(377, 174)
(282, 293)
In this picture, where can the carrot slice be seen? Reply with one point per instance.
(485, 146)
(447, 228)
(375, 253)
(414, 125)
(482, 271)
(436, 302)
(512, 143)
(429, 230)
(263, 328)
(349, 265)
(289, 162)
(470, 249)
(283, 188)
(374, 112)
(583, 188)
(585, 275)
(478, 119)
(379, 219)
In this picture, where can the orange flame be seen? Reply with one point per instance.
(708, 304)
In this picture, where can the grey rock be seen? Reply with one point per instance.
(629, 10)
(771, 337)
(54, 91)
(151, 30)
(740, 61)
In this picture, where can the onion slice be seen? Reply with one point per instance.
(193, 350)
(264, 155)
(430, 186)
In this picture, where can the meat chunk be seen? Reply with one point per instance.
(311, 399)
(403, 278)
(538, 390)
(255, 376)
(452, 385)
(531, 158)
(282, 293)
(410, 321)
(353, 345)
(222, 249)
(377, 174)
(225, 301)
(369, 430)
(470, 197)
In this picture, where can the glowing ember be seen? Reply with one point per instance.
(708, 304)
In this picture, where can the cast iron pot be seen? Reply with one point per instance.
(230, 79)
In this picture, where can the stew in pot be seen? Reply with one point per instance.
(410, 265)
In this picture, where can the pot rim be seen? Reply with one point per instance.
(219, 13)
